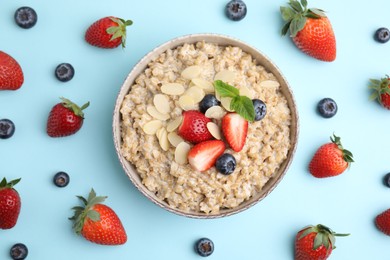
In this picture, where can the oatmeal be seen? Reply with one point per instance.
(175, 82)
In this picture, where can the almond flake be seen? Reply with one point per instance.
(157, 115)
(151, 127)
(162, 136)
(269, 84)
(174, 124)
(172, 89)
(227, 76)
(186, 102)
(225, 102)
(161, 102)
(245, 91)
(191, 72)
(196, 93)
(174, 139)
(207, 86)
(215, 112)
(214, 130)
(181, 153)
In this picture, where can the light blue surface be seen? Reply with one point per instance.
(347, 203)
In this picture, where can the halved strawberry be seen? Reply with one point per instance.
(203, 155)
(235, 129)
(194, 127)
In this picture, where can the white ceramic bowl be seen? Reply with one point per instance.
(223, 41)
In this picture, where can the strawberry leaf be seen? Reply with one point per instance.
(318, 12)
(304, 3)
(297, 24)
(296, 6)
(287, 13)
(93, 215)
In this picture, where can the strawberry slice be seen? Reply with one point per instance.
(203, 155)
(194, 127)
(235, 129)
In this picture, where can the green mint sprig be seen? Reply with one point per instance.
(242, 105)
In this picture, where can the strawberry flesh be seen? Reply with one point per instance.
(235, 130)
(204, 155)
(11, 74)
(382, 222)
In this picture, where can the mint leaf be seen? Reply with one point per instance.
(225, 90)
(244, 107)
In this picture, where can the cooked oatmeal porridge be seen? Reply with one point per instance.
(152, 110)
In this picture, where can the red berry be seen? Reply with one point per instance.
(10, 204)
(235, 130)
(194, 127)
(11, 74)
(382, 222)
(204, 155)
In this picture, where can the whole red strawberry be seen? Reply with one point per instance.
(315, 243)
(65, 118)
(108, 32)
(97, 222)
(194, 127)
(10, 204)
(310, 29)
(382, 222)
(381, 91)
(11, 74)
(331, 159)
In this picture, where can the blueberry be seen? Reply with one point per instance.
(204, 247)
(382, 35)
(26, 17)
(18, 251)
(260, 109)
(226, 164)
(64, 72)
(7, 128)
(61, 179)
(235, 10)
(208, 101)
(386, 179)
(327, 107)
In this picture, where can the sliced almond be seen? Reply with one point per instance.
(181, 153)
(186, 102)
(174, 124)
(174, 139)
(207, 86)
(151, 127)
(157, 115)
(191, 72)
(269, 84)
(172, 89)
(225, 102)
(215, 112)
(245, 91)
(161, 102)
(162, 136)
(214, 130)
(196, 93)
(226, 76)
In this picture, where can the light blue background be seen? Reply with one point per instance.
(347, 203)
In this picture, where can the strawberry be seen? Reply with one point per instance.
(315, 243)
(108, 32)
(65, 118)
(382, 222)
(11, 74)
(235, 129)
(202, 156)
(194, 127)
(381, 91)
(331, 159)
(310, 29)
(10, 204)
(97, 222)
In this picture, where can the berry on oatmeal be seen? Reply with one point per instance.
(260, 109)
(203, 156)
(235, 130)
(194, 127)
(226, 164)
(208, 101)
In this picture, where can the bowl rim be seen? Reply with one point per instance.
(140, 66)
